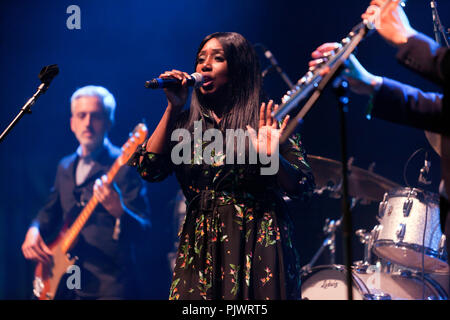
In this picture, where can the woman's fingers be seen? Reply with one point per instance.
(274, 121)
(269, 118)
(262, 115)
(176, 74)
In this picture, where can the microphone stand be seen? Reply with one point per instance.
(351, 44)
(274, 66)
(46, 75)
(26, 109)
(341, 90)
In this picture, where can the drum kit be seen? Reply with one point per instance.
(405, 255)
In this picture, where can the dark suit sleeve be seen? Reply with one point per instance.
(136, 219)
(50, 217)
(424, 56)
(404, 104)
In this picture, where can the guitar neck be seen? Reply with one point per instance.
(73, 232)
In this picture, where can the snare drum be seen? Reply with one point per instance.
(409, 230)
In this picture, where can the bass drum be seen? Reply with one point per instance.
(330, 283)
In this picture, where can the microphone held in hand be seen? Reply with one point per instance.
(196, 81)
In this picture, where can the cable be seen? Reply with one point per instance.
(423, 252)
(407, 163)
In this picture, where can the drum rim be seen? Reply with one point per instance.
(414, 247)
(412, 274)
(419, 194)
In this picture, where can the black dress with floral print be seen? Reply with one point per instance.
(236, 240)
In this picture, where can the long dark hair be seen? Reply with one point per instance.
(244, 76)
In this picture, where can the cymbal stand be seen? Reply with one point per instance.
(329, 230)
(366, 238)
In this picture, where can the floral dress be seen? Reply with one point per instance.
(236, 240)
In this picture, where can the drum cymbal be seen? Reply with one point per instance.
(363, 184)
(435, 141)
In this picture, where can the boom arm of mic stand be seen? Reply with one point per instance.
(25, 109)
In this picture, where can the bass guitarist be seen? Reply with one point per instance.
(106, 245)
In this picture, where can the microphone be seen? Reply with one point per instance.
(48, 73)
(196, 81)
(424, 176)
(46, 76)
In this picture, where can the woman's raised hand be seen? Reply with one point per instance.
(266, 140)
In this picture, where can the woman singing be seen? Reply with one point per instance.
(236, 241)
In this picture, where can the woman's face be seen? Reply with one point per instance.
(212, 64)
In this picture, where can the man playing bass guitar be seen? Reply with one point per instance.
(106, 243)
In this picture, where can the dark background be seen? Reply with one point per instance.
(121, 44)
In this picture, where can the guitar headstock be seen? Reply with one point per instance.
(137, 137)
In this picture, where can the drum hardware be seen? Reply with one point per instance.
(387, 266)
(442, 252)
(383, 206)
(364, 185)
(329, 229)
(401, 230)
(407, 205)
(378, 296)
(366, 239)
